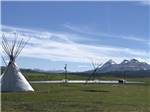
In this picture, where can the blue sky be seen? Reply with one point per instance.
(78, 32)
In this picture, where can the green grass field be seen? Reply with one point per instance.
(79, 97)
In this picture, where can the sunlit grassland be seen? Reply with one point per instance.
(79, 97)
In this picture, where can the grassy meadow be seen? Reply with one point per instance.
(79, 97)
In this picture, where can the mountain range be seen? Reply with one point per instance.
(125, 65)
(131, 68)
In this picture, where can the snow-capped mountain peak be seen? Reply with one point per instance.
(134, 61)
(125, 62)
(111, 62)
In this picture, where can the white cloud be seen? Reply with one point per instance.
(88, 31)
(58, 46)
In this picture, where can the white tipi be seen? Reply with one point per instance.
(12, 79)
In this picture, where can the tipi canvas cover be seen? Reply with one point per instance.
(12, 79)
